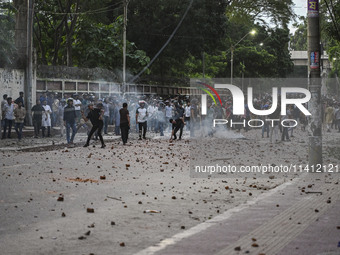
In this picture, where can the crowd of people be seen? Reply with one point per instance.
(132, 113)
(142, 114)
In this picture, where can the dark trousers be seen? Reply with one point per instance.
(18, 128)
(142, 126)
(124, 129)
(176, 128)
(37, 127)
(284, 134)
(181, 130)
(48, 131)
(8, 124)
(95, 128)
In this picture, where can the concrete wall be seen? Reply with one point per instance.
(11, 82)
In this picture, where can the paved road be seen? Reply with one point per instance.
(299, 217)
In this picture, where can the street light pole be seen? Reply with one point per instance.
(231, 65)
(314, 105)
(125, 3)
(232, 48)
(29, 64)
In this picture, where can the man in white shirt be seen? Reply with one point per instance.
(77, 105)
(8, 117)
(187, 113)
(141, 119)
(46, 119)
(152, 115)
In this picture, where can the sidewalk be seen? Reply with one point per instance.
(299, 217)
(29, 143)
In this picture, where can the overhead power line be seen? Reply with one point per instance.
(166, 43)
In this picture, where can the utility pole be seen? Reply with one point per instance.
(232, 48)
(314, 82)
(125, 3)
(203, 63)
(29, 65)
(231, 64)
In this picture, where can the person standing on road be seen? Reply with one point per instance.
(124, 123)
(95, 115)
(46, 119)
(329, 115)
(77, 106)
(106, 106)
(179, 114)
(168, 113)
(117, 119)
(274, 126)
(141, 115)
(9, 117)
(187, 113)
(69, 119)
(3, 103)
(160, 119)
(37, 111)
(285, 135)
(20, 99)
(19, 114)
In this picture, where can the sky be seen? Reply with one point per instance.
(300, 9)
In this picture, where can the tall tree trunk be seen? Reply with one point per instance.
(21, 32)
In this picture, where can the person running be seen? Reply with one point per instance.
(124, 122)
(95, 115)
(141, 116)
(179, 114)
(176, 125)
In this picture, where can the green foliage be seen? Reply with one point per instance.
(334, 57)
(7, 25)
(100, 45)
(277, 12)
(298, 41)
(81, 33)
(150, 24)
(88, 33)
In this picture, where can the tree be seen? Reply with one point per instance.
(82, 33)
(150, 24)
(100, 45)
(276, 12)
(331, 31)
(298, 41)
(7, 25)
